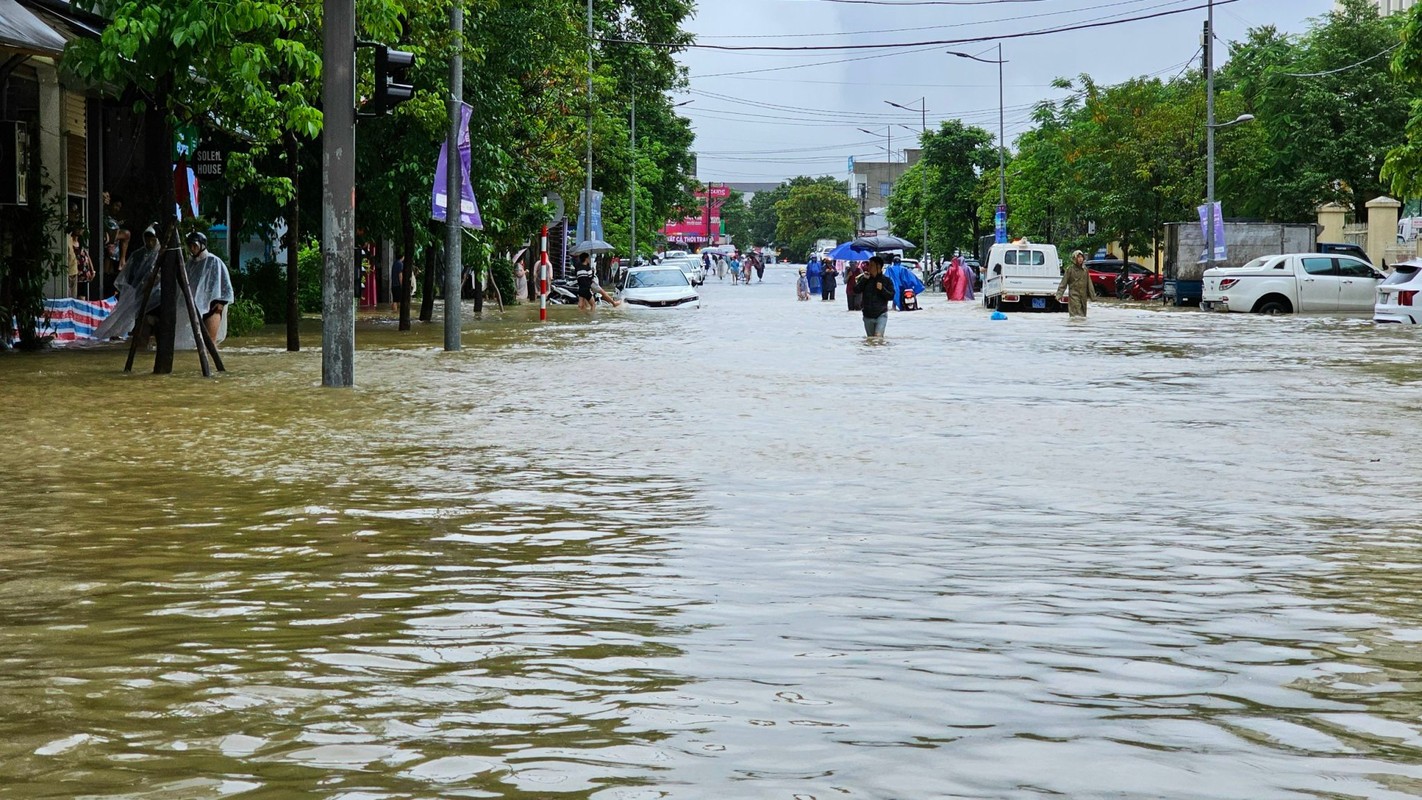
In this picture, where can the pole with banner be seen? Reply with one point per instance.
(1000, 224)
(1212, 229)
(545, 274)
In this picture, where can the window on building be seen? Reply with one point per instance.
(884, 188)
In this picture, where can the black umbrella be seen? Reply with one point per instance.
(593, 246)
(878, 244)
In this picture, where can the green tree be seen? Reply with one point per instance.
(814, 210)
(1403, 167)
(956, 157)
(765, 220)
(1328, 115)
(736, 219)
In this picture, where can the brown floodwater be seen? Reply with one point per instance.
(726, 553)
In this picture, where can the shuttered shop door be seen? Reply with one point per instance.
(76, 147)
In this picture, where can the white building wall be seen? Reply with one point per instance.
(1389, 7)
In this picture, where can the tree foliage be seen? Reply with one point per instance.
(1114, 163)
(956, 158)
(817, 209)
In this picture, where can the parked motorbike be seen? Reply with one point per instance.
(563, 291)
(1144, 288)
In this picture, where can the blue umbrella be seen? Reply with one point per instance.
(848, 252)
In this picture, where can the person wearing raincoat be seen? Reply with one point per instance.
(129, 286)
(211, 285)
(968, 278)
(903, 279)
(1076, 281)
(953, 280)
(813, 273)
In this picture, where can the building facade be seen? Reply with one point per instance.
(871, 184)
(1389, 7)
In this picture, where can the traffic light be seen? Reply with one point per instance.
(391, 70)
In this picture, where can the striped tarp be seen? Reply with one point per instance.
(69, 320)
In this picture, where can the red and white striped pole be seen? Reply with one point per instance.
(545, 274)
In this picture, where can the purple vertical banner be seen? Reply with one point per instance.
(1221, 250)
(468, 206)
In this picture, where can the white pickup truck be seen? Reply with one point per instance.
(1306, 283)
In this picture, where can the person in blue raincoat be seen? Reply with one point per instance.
(903, 279)
(813, 273)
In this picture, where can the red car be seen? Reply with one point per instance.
(1106, 272)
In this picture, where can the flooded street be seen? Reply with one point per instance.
(727, 553)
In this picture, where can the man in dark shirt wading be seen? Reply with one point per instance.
(876, 292)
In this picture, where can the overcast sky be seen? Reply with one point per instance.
(771, 125)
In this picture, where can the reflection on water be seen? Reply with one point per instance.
(725, 553)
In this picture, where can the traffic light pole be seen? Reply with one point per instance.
(338, 197)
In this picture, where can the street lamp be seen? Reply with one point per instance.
(922, 169)
(889, 139)
(1001, 129)
(1210, 128)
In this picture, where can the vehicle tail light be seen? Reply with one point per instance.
(1405, 298)
(1227, 283)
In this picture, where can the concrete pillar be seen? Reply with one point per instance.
(1382, 227)
(52, 180)
(1331, 219)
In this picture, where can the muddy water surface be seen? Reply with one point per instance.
(727, 553)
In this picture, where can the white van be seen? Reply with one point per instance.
(1022, 274)
(1408, 228)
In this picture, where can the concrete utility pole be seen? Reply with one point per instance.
(587, 185)
(454, 190)
(1210, 136)
(338, 196)
(632, 226)
(1001, 135)
(922, 167)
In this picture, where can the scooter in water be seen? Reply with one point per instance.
(1143, 288)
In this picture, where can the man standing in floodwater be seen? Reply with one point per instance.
(876, 292)
(1077, 281)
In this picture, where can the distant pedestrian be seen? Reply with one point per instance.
(1076, 283)
(759, 269)
(813, 271)
(802, 286)
(829, 279)
(953, 277)
(735, 271)
(877, 292)
(397, 282)
(521, 282)
(851, 279)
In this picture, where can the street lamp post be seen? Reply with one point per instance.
(888, 141)
(1001, 127)
(922, 168)
(1210, 128)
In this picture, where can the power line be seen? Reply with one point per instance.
(1117, 4)
(1106, 23)
(1373, 57)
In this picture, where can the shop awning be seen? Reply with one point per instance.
(21, 30)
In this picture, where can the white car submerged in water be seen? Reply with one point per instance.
(658, 287)
(1400, 296)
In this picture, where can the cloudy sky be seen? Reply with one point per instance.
(755, 120)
